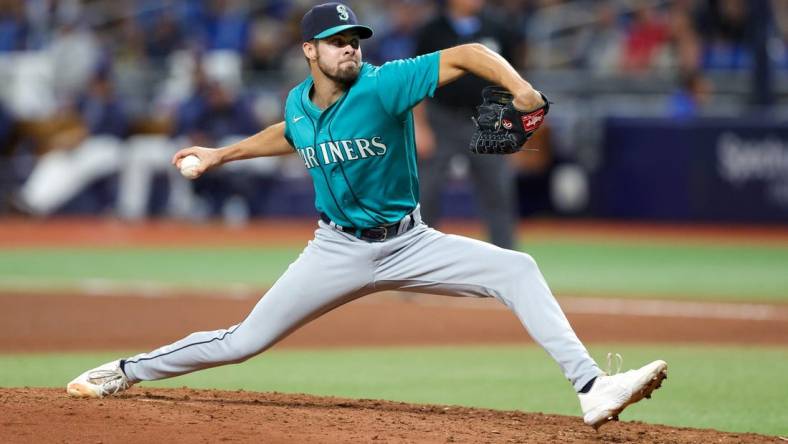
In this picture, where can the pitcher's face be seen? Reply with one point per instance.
(338, 57)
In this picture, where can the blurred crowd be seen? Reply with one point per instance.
(90, 88)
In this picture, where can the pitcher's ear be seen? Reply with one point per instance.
(310, 49)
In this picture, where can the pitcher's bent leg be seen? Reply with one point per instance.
(529, 297)
(297, 298)
(432, 262)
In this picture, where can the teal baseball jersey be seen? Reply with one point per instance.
(361, 151)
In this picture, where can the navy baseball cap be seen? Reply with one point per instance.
(325, 20)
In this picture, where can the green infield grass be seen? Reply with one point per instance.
(577, 268)
(738, 389)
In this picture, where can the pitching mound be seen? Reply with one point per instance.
(184, 415)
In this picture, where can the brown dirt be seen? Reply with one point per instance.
(95, 232)
(184, 415)
(71, 322)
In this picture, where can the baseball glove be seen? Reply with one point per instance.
(500, 127)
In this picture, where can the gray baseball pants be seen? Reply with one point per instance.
(336, 268)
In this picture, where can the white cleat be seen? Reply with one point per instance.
(99, 382)
(611, 394)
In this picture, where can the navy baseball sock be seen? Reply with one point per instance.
(588, 386)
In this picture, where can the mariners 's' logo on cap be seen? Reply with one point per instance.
(342, 12)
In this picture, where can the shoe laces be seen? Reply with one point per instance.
(110, 381)
(619, 363)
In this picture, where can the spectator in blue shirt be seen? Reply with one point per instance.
(227, 27)
(14, 28)
(101, 110)
(214, 112)
(687, 102)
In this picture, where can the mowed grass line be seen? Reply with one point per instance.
(188, 267)
(691, 271)
(701, 271)
(734, 389)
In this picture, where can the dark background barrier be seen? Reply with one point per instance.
(731, 170)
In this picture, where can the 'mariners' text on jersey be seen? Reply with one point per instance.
(342, 151)
(360, 151)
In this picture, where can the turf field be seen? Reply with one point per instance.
(708, 386)
(577, 267)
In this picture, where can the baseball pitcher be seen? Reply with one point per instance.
(351, 124)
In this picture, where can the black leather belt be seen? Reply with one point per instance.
(374, 234)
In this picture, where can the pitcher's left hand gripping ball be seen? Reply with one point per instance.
(500, 127)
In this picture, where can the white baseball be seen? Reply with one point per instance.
(189, 166)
